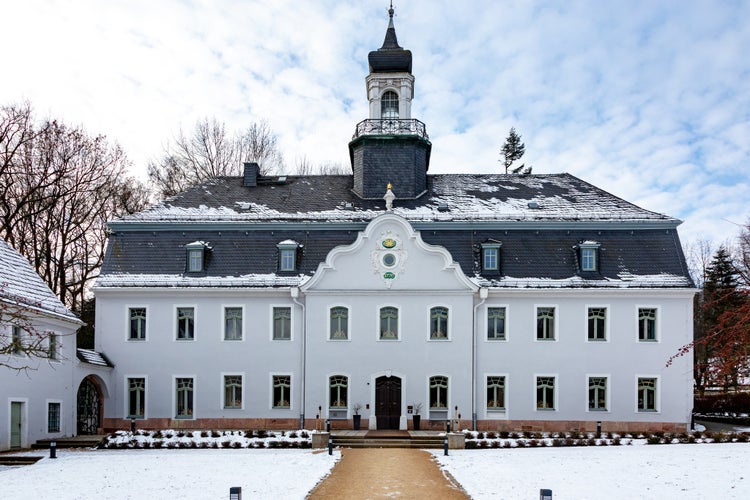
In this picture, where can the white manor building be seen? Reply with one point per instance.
(518, 301)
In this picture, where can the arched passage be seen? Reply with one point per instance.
(89, 406)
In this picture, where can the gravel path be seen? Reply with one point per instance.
(370, 473)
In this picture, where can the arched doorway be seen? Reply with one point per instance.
(388, 402)
(89, 407)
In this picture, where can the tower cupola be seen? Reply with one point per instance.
(390, 146)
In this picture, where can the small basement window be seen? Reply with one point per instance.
(196, 256)
(288, 255)
(589, 255)
(491, 256)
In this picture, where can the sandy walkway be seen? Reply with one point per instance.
(369, 473)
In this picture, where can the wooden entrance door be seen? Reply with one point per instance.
(88, 408)
(16, 411)
(388, 402)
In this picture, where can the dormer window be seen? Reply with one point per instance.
(389, 106)
(491, 257)
(196, 256)
(288, 255)
(589, 255)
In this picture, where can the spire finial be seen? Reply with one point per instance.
(390, 10)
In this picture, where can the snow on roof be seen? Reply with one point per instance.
(271, 280)
(177, 280)
(462, 197)
(626, 280)
(20, 284)
(92, 357)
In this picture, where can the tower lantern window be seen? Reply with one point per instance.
(389, 106)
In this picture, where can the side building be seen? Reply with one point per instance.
(517, 302)
(46, 388)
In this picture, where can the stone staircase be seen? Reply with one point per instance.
(388, 439)
(70, 442)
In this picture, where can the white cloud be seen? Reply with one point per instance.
(646, 100)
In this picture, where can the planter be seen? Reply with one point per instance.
(357, 421)
(417, 419)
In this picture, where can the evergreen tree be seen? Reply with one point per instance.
(513, 150)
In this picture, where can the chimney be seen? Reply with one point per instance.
(250, 177)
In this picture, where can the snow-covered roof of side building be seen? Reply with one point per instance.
(449, 197)
(20, 284)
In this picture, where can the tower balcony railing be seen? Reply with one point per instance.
(391, 127)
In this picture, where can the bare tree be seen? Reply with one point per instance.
(210, 151)
(304, 166)
(65, 185)
(698, 255)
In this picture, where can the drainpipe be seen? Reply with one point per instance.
(483, 293)
(303, 358)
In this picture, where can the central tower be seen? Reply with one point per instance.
(390, 146)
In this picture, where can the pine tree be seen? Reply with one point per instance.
(513, 150)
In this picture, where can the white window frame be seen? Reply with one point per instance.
(493, 248)
(555, 391)
(174, 396)
(222, 390)
(657, 324)
(448, 324)
(555, 322)
(594, 249)
(607, 314)
(223, 324)
(191, 253)
(291, 390)
(657, 396)
(348, 391)
(383, 102)
(176, 325)
(17, 339)
(126, 406)
(330, 308)
(607, 392)
(487, 320)
(496, 412)
(291, 322)
(447, 408)
(53, 353)
(60, 426)
(128, 308)
(398, 323)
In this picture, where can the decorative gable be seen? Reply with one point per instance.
(389, 255)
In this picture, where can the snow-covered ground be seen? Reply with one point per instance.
(162, 474)
(679, 471)
(676, 471)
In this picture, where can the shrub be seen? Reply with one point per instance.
(292, 434)
(261, 433)
(215, 434)
(259, 444)
(507, 444)
(743, 437)
(521, 443)
(491, 435)
(237, 444)
(158, 435)
(616, 441)
(483, 444)
(533, 443)
(480, 435)
(273, 444)
(171, 445)
(180, 434)
(471, 445)
(526, 434)
(304, 434)
(557, 442)
(570, 442)
(591, 442)
(204, 434)
(225, 443)
(654, 440)
(305, 444)
(504, 434)
(496, 443)
(513, 435)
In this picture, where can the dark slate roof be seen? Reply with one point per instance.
(390, 57)
(20, 284)
(646, 258)
(93, 357)
(449, 197)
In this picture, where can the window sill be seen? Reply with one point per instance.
(648, 341)
(233, 340)
(648, 411)
(596, 340)
(185, 418)
(546, 409)
(136, 417)
(136, 340)
(489, 339)
(281, 340)
(496, 410)
(598, 410)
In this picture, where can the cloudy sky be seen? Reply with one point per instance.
(648, 99)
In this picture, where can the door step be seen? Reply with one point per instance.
(14, 460)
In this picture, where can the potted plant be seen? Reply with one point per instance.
(417, 417)
(357, 417)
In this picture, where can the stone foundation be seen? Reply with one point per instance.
(575, 425)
